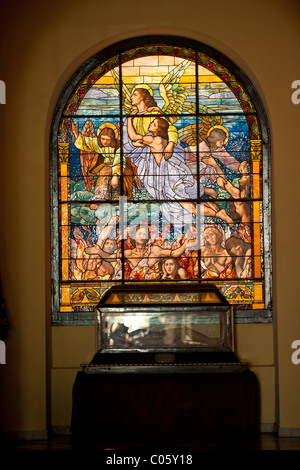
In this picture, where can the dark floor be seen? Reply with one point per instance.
(60, 453)
(266, 441)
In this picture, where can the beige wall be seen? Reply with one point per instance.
(42, 44)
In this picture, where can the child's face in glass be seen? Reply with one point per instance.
(237, 250)
(153, 126)
(170, 266)
(105, 140)
(141, 235)
(220, 143)
(109, 246)
(211, 237)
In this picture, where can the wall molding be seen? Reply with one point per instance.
(289, 432)
(24, 435)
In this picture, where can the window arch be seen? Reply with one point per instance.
(160, 172)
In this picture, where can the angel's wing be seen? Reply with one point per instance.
(173, 93)
(86, 158)
(188, 134)
(209, 119)
(126, 101)
(88, 129)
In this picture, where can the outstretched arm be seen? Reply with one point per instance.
(96, 250)
(75, 129)
(190, 243)
(172, 141)
(209, 160)
(134, 137)
(107, 230)
(168, 152)
(162, 252)
(222, 180)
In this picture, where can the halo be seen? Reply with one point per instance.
(111, 126)
(146, 87)
(222, 129)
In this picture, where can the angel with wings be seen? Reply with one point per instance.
(100, 159)
(212, 138)
(158, 155)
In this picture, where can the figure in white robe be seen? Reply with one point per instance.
(165, 175)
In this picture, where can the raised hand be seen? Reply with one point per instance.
(74, 129)
(244, 168)
(209, 160)
(93, 250)
(191, 243)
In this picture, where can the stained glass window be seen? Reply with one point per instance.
(160, 173)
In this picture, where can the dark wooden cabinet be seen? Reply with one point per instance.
(165, 407)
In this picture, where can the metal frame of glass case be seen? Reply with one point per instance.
(191, 318)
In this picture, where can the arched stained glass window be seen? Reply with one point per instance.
(160, 173)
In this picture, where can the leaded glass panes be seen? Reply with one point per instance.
(159, 171)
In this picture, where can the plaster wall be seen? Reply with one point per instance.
(41, 45)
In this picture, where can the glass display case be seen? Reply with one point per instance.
(164, 323)
(164, 369)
